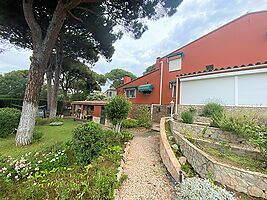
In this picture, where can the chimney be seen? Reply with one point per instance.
(127, 79)
(157, 63)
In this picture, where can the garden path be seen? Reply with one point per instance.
(147, 176)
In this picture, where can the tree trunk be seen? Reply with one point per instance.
(30, 103)
(55, 88)
(49, 76)
(65, 99)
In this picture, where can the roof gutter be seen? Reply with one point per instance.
(161, 80)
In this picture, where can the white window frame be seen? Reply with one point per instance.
(131, 90)
(175, 64)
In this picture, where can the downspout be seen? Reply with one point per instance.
(176, 96)
(161, 80)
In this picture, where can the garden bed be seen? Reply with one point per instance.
(85, 168)
(241, 180)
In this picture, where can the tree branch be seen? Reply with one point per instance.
(32, 23)
(73, 16)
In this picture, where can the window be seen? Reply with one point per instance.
(174, 91)
(131, 93)
(175, 64)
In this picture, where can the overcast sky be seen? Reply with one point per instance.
(193, 19)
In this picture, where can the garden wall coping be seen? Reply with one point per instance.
(168, 157)
(241, 180)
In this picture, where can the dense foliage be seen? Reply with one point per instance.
(212, 109)
(88, 140)
(144, 118)
(9, 121)
(129, 123)
(96, 96)
(117, 110)
(116, 76)
(187, 117)
(13, 84)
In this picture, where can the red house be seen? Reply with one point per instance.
(242, 41)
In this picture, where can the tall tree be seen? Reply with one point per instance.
(78, 80)
(14, 15)
(116, 76)
(149, 69)
(13, 84)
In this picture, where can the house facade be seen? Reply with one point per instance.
(239, 43)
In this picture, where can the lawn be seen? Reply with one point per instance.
(52, 135)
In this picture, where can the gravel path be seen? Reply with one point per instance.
(147, 176)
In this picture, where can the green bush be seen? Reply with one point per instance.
(37, 136)
(144, 116)
(87, 141)
(129, 123)
(9, 121)
(187, 117)
(211, 109)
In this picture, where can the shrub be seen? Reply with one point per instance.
(87, 141)
(9, 121)
(203, 189)
(129, 123)
(187, 117)
(117, 110)
(37, 136)
(144, 116)
(212, 109)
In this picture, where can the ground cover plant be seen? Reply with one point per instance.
(60, 173)
(202, 189)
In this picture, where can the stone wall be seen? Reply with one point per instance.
(168, 157)
(196, 130)
(160, 111)
(259, 110)
(252, 183)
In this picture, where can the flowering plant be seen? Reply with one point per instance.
(29, 164)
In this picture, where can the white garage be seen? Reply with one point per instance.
(245, 86)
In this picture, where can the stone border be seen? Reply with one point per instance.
(168, 157)
(251, 183)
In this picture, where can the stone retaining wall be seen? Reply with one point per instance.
(241, 151)
(252, 183)
(168, 157)
(205, 131)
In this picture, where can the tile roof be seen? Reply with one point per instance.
(225, 69)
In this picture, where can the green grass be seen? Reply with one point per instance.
(52, 135)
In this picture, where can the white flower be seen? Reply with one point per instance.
(39, 161)
(8, 175)
(34, 183)
(36, 169)
(53, 160)
(16, 177)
